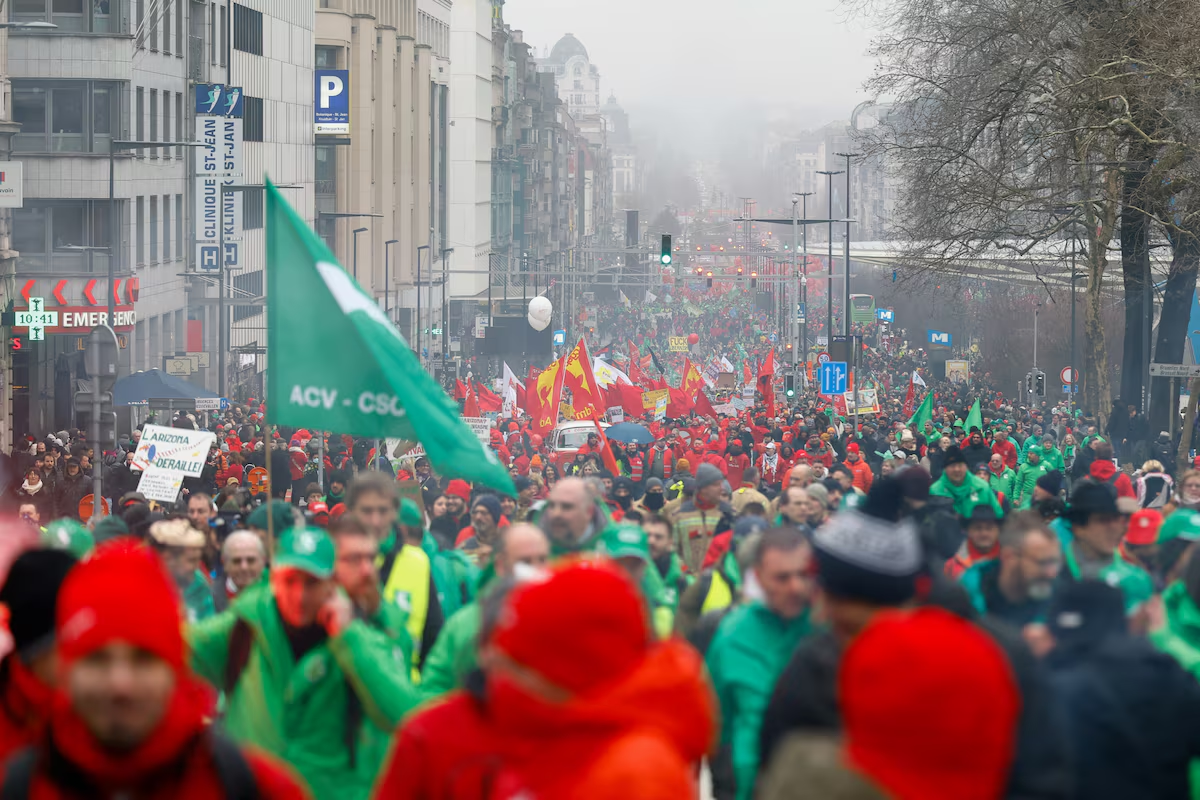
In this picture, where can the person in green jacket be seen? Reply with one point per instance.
(627, 544)
(666, 560)
(454, 653)
(1090, 534)
(305, 675)
(965, 490)
(753, 643)
(1179, 637)
(1001, 479)
(1050, 455)
(180, 546)
(1027, 477)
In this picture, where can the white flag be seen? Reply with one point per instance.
(624, 299)
(607, 374)
(509, 392)
(650, 296)
(916, 379)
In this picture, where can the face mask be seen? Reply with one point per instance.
(623, 500)
(653, 501)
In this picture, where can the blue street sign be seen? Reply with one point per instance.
(331, 100)
(939, 337)
(834, 377)
(560, 338)
(773, 338)
(218, 100)
(800, 309)
(885, 315)
(1070, 389)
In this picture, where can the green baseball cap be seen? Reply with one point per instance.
(307, 549)
(69, 535)
(282, 517)
(625, 540)
(1183, 524)
(410, 514)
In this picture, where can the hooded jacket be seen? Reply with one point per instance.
(973, 491)
(1104, 471)
(749, 651)
(500, 741)
(304, 712)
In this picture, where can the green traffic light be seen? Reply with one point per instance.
(666, 258)
(791, 392)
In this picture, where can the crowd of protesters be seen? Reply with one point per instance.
(995, 601)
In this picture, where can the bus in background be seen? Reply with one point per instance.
(862, 309)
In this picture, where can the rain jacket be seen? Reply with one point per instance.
(454, 653)
(198, 599)
(1003, 483)
(1180, 639)
(1104, 471)
(636, 737)
(316, 714)
(972, 492)
(750, 649)
(1027, 478)
(695, 527)
(1134, 582)
(1052, 457)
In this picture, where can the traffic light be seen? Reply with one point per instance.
(665, 258)
(753, 280)
(789, 382)
(1039, 386)
(710, 279)
(739, 272)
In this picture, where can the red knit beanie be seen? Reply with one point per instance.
(930, 707)
(121, 593)
(459, 488)
(583, 627)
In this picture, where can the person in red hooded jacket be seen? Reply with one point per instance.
(1103, 470)
(128, 719)
(860, 471)
(27, 673)
(606, 712)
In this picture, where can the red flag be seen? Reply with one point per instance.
(460, 390)
(703, 406)
(631, 399)
(543, 395)
(586, 398)
(636, 374)
(606, 453)
(471, 406)
(679, 404)
(766, 382)
(839, 405)
(692, 380)
(488, 400)
(746, 372)
(908, 399)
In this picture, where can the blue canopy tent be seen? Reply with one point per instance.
(156, 389)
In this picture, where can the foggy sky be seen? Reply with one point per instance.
(705, 54)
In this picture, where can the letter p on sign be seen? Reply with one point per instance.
(331, 86)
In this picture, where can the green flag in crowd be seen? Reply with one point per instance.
(924, 413)
(974, 417)
(338, 364)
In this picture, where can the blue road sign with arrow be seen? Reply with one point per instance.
(834, 377)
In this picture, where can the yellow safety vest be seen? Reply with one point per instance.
(719, 594)
(407, 585)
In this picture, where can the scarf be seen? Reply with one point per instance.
(25, 487)
(26, 699)
(182, 723)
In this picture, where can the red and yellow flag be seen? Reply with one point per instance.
(586, 399)
(692, 379)
(543, 395)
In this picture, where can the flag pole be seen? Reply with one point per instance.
(270, 499)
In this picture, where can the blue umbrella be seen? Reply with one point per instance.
(630, 433)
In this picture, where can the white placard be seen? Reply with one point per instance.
(12, 184)
(162, 485)
(180, 449)
(616, 414)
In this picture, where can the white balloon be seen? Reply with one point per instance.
(540, 311)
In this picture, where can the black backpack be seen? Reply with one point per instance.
(233, 771)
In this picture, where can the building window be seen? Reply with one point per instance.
(179, 240)
(252, 124)
(224, 36)
(47, 230)
(327, 56)
(166, 230)
(63, 116)
(75, 16)
(166, 122)
(166, 21)
(247, 286)
(212, 42)
(140, 229)
(179, 122)
(247, 29)
(152, 22)
(179, 29)
(154, 121)
(139, 115)
(253, 209)
(153, 229)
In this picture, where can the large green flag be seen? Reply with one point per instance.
(924, 413)
(337, 364)
(974, 417)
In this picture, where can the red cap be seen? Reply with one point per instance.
(852, 448)
(122, 593)
(459, 488)
(595, 618)
(929, 706)
(337, 510)
(1143, 527)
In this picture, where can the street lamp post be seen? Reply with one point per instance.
(445, 276)
(387, 285)
(420, 330)
(846, 310)
(356, 232)
(829, 293)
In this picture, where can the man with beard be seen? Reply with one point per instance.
(652, 502)
(976, 452)
(622, 495)
(670, 567)
(458, 494)
(71, 488)
(1017, 587)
